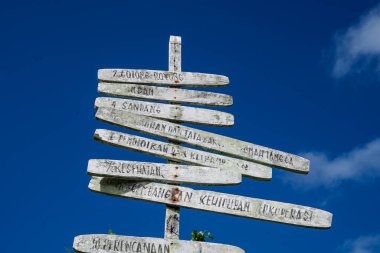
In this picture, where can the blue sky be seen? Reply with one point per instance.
(305, 77)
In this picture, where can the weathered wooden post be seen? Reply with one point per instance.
(160, 182)
(172, 212)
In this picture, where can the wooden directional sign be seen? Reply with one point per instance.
(203, 139)
(214, 202)
(98, 243)
(159, 183)
(157, 77)
(169, 173)
(182, 154)
(173, 95)
(166, 111)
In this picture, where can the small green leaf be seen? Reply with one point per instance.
(201, 236)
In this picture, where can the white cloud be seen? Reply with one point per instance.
(359, 45)
(359, 163)
(364, 244)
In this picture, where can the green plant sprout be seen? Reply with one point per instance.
(201, 236)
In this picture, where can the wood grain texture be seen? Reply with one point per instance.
(168, 173)
(182, 154)
(158, 77)
(254, 208)
(173, 95)
(175, 113)
(203, 139)
(100, 243)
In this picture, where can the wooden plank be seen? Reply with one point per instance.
(158, 77)
(100, 243)
(214, 202)
(182, 154)
(166, 111)
(203, 139)
(173, 95)
(160, 172)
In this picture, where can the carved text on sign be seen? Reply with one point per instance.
(203, 139)
(215, 202)
(173, 95)
(157, 77)
(182, 154)
(169, 173)
(167, 111)
(130, 244)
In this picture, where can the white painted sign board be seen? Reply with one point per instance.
(214, 202)
(161, 172)
(203, 139)
(158, 77)
(100, 243)
(167, 111)
(173, 95)
(182, 154)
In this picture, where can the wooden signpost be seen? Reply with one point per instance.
(203, 139)
(182, 154)
(116, 243)
(173, 95)
(214, 202)
(166, 78)
(172, 112)
(172, 213)
(161, 172)
(160, 183)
